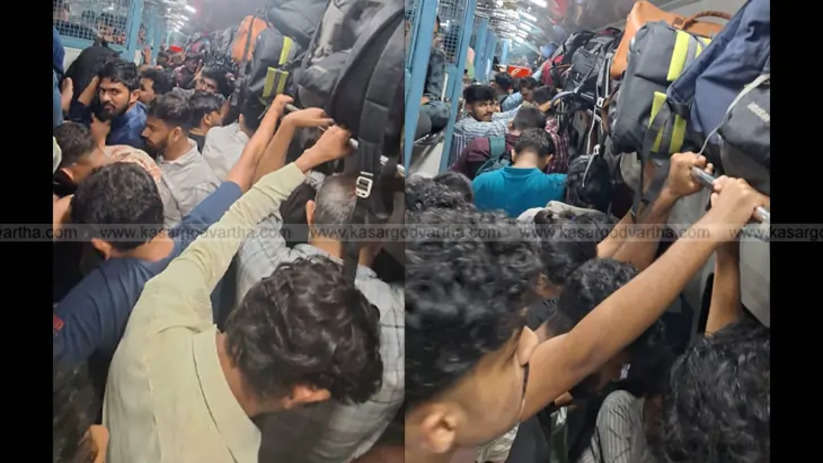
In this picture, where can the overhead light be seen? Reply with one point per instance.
(523, 14)
(540, 3)
(191, 8)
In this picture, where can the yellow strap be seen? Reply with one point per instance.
(678, 61)
(678, 134)
(269, 85)
(285, 50)
(657, 103)
(282, 77)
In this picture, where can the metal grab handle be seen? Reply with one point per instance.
(707, 180)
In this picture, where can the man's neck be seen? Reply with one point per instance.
(245, 129)
(158, 248)
(334, 248)
(174, 152)
(526, 163)
(411, 456)
(199, 130)
(234, 378)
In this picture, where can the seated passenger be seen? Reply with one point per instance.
(523, 184)
(207, 112)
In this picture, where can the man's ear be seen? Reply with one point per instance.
(302, 394)
(104, 247)
(438, 430)
(311, 206)
(67, 172)
(133, 97)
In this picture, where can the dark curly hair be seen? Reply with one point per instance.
(564, 246)
(465, 293)
(718, 404)
(119, 195)
(537, 141)
(121, 71)
(305, 324)
(173, 109)
(424, 193)
(457, 183)
(74, 405)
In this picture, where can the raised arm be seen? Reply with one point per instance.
(275, 155)
(725, 307)
(189, 279)
(565, 360)
(244, 169)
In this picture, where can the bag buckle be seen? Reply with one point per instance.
(600, 102)
(363, 185)
(596, 150)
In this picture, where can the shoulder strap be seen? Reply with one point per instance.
(497, 147)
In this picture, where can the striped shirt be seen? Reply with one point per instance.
(469, 128)
(560, 162)
(619, 435)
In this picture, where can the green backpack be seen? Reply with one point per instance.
(497, 158)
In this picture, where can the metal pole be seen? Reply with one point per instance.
(504, 55)
(133, 29)
(480, 51)
(456, 79)
(418, 63)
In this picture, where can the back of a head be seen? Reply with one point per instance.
(424, 193)
(293, 214)
(457, 183)
(75, 142)
(718, 404)
(121, 71)
(162, 80)
(589, 183)
(173, 109)
(305, 324)
(465, 293)
(529, 83)
(335, 200)
(119, 194)
(503, 80)
(562, 250)
(529, 118)
(251, 108)
(202, 103)
(590, 284)
(543, 94)
(536, 141)
(74, 406)
(477, 93)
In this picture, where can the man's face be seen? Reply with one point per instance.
(157, 135)
(528, 94)
(482, 110)
(205, 84)
(115, 98)
(147, 94)
(191, 65)
(163, 61)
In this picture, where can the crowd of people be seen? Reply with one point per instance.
(189, 323)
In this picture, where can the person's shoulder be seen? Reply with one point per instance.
(111, 281)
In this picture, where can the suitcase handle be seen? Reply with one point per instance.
(685, 23)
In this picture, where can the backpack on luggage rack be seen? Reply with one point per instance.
(587, 62)
(354, 68)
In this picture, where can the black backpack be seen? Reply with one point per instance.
(354, 68)
(589, 183)
(497, 156)
(587, 61)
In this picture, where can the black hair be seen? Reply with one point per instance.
(536, 140)
(528, 82)
(117, 194)
(503, 80)
(458, 183)
(562, 249)
(203, 103)
(465, 293)
(218, 74)
(293, 215)
(173, 109)
(335, 201)
(75, 142)
(305, 324)
(424, 193)
(162, 81)
(718, 403)
(544, 94)
(121, 71)
(251, 108)
(478, 93)
(74, 407)
(529, 118)
(516, 84)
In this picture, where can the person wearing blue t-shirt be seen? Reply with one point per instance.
(522, 185)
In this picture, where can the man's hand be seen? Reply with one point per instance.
(680, 181)
(280, 102)
(334, 144)
(733, 204)
(66, 93)
(424, 100)
(99, 131)
(89, 92)
(309, 117)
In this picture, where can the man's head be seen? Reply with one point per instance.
(250, 111)
(467, 347)
(80, 155)
(61, 10)
(479, 102)
(502, 83)
(543, 94)
(333, 205)
(457, 183)
(191, 62)
(527, 87)
(213, 80)
(116, 195)
(562, 249)
(305, 335)
(718, 403)
(75, 437)
(588, 286)
(527, 118)
(207, 110)
(168, 121)
(425, 193)
(535, 145)
(117, 90)
(153, 83)
(163, 59)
